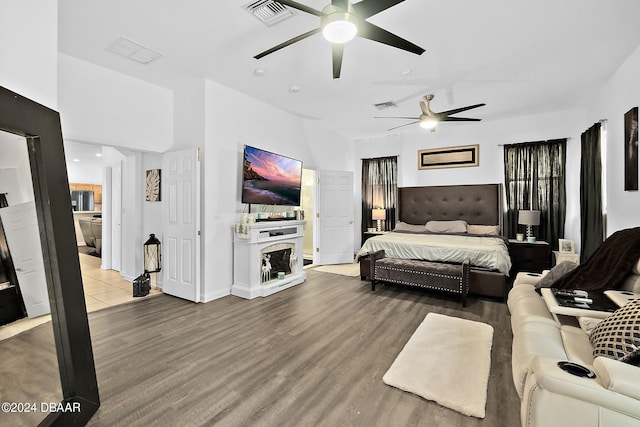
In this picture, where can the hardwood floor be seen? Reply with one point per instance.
(311, 355)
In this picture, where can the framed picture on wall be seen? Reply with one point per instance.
(631, 150)
(449, 157)
(152, 192)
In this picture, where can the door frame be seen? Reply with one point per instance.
(41, 126)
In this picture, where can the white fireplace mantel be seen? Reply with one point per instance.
(247, 257)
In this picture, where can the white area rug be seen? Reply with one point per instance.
(352, 269)
(446, 360)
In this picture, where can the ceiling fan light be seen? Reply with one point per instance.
(428, 123)
(339, 27)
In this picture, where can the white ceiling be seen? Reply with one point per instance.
(517, 56)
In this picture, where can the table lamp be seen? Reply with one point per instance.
(529, 218)
(378, 215)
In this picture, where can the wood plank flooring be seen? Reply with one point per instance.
(312, 355)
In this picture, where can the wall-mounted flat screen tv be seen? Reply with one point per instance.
(270, 179)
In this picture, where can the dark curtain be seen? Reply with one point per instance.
(517, 181)
(591, 216)
(535, 179)
(379, 190)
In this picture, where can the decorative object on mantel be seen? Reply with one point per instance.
(631, 150)
(462, 156)
(152, 192)
(266, 268)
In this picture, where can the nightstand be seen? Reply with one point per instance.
(566, 256)
(531, 257)
(367, 234)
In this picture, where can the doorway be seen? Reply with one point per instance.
(307, 205)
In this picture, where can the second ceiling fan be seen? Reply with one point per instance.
(341, 21)
(429, 119)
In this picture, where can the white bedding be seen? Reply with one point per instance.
(486, 252)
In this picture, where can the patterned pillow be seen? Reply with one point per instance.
(618, 336)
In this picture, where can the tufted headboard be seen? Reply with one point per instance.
(479, 204)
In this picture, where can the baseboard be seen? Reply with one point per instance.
(215, 295)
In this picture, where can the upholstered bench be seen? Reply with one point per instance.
(424, 274)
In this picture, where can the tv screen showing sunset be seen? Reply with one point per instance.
(270, 179)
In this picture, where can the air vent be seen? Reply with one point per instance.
(133, 50)
(383, 105)
(268, 12)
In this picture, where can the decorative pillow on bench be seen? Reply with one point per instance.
(618, 336)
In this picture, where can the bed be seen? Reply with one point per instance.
(479, 204)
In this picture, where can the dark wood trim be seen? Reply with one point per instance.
(41, 127)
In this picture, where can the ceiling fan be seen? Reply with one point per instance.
(429, 119)
(341, 21)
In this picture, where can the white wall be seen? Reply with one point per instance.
(101, 106)
(233, 120)
(617, 96)
(29, 49)
(491, 136)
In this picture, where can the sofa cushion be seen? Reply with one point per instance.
(534, 339)
(577, 345)
(526, 305)
(618, 336)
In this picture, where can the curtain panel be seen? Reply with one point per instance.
(379, 190)
(535, 179)
(591, 216)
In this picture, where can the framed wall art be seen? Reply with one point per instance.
(566, 245)
(631, 150)
(449, 157)
(152, 193)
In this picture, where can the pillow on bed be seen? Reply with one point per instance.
(403, 226)
(456, 226)
(485, 230)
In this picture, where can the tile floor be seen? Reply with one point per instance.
(102, 289)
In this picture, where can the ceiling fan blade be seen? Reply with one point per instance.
(367, 8)
(287, 43)
(410, 118)
(401, 126)
(342, 4)
(302, 7)
(458, 119)
(459, 110)
(423, 107)
(337, 50)
(372, 32)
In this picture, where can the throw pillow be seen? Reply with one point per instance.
(403, 226)
(618, 336)
(555, 274)
(484, 230)
(456, 226)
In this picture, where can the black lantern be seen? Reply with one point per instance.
(152, 257)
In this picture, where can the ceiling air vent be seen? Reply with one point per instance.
(268, 11)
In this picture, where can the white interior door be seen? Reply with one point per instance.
(180, 194)
(23, 238)
(334, 219)
(116, 217)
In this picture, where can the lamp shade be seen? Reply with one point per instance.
(377, 214)
(529, 217)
